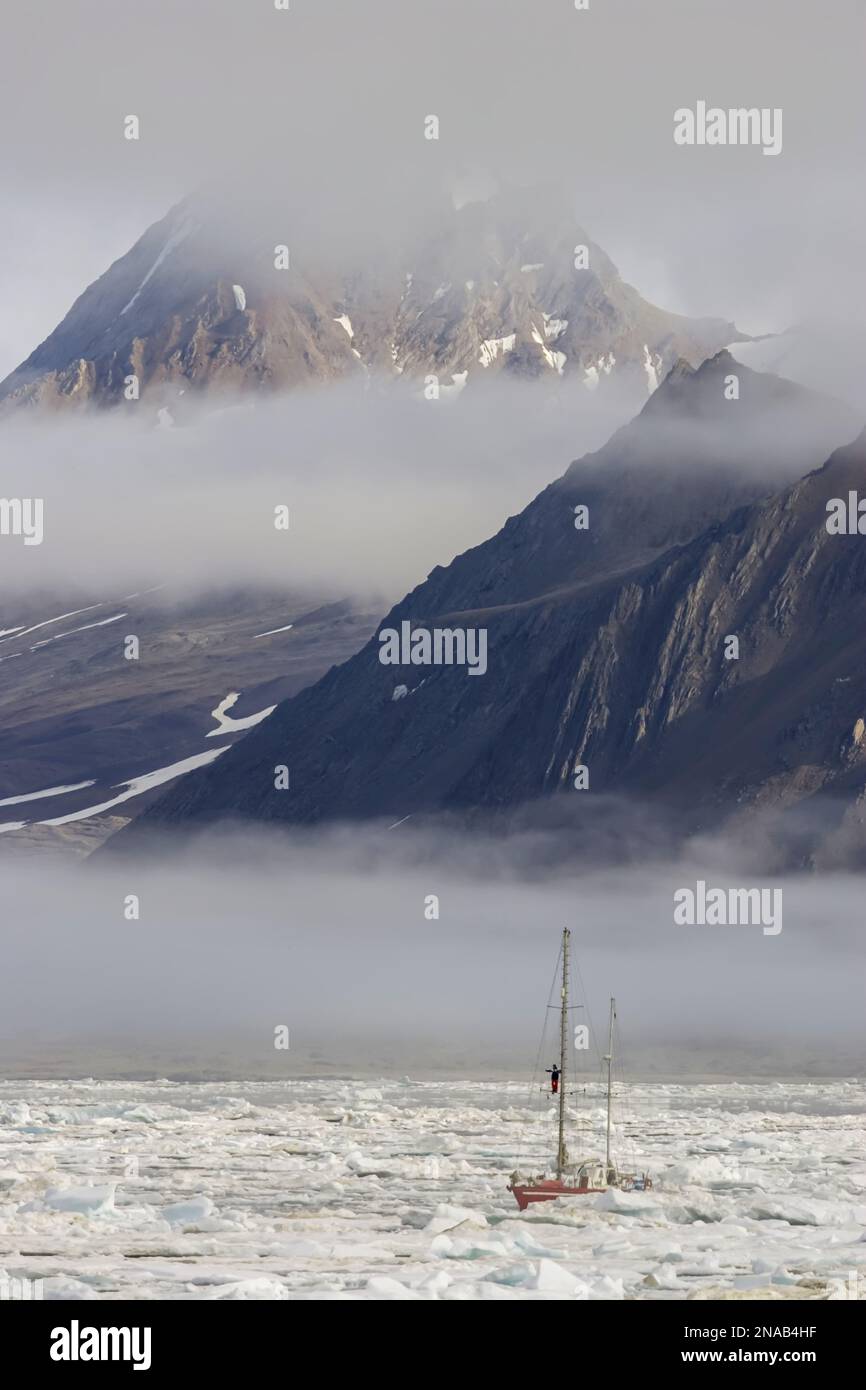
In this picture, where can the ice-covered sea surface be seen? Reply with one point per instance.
(397, 1189)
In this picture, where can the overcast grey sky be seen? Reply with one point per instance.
(332, 96)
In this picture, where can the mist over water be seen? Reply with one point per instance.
(329, 934)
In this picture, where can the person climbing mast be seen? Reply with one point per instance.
(554, 1079)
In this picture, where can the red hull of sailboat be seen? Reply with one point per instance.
(546, 1191)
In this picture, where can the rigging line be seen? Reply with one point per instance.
(626, 1145)
(585, 996)
(536, 1071)
(579, 1116)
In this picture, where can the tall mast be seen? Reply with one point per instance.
(609, 1060)
(561, 1152)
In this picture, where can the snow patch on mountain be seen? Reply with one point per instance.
(26, 631)
(555, 360)
(492, 347)
(86, 627)
(652, 364)
(553, 327)
(172, 244)
(227, 725)
(46, 792)
(605, 363)
(136, 785)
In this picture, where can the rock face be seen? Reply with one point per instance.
(607, 647)
(210, 299)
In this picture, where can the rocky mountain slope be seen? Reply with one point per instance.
(205, 300)
(78, 721)
(607, 646)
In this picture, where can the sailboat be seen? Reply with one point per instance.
(570, 1177)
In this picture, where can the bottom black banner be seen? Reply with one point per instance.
(160, 1338)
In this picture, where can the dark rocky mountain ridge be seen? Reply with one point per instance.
(606, 648)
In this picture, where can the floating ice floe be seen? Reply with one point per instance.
(59, 1290)
(248, 1290)
(89, 1201)
(448, 1218)
(546, 1276)
(783, 1242)
(626, 1203)
(383, 1286)
(16, 1112)
(188, 1213)
(808, 1211)
(663, 1277)
(227, 725)
(710, 1171)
